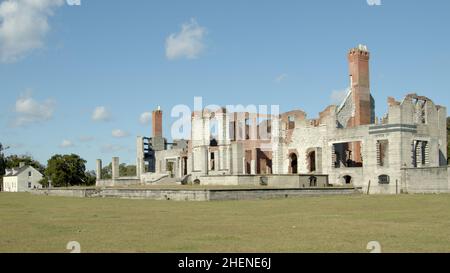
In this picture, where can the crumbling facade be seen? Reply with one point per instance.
(403, 152)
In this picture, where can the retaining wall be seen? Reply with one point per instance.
(196, 194)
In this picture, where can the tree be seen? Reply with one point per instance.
(13, 161)
(2, 161)
(107, 172)
(448, 139)
(66, 170)
(2, 166)
(91, 178)
(124, 170)
(127, 170)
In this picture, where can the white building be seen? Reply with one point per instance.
(22, 179)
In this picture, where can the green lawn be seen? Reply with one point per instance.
(407, 223)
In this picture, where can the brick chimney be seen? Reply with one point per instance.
(358, 59)
(157, 122)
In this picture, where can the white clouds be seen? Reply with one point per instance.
(145, 118)
(66, 144)
(23, 26)
(186, 44)
(119, 133)
(28, 110)
(101, 114)
(281, 78)
(337, 97)
(374, 2)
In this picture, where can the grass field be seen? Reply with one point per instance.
(407, 223)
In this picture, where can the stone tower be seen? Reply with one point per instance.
(358, 59)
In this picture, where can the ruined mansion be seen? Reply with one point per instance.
(403, 152)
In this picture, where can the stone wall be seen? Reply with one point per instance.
(80, 193)
(345, 111)
(273, 181)
(117, 182)
(222, 195)
(427, 180)
(196, 194)
(170, 195)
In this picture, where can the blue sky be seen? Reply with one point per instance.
(120, 59)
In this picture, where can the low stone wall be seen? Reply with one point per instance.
(174, 195)
(275, 181)
(222, 195)
(196, 194)
(81, 193)
(427, 180)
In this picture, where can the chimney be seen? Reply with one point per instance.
(21, 164)
(157, 122)
(358, 59)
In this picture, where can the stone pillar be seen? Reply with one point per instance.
(254, 127)
(140, 163)
(228, 159)
(277, 147)
(115, 168)
(254, 162)
(253, 166)
(224, 141)
(237, 158)
(217, 160)
(190, 163)
(99, 169)
(205, 159)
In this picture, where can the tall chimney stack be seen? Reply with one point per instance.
(358, 59)
(157, 122)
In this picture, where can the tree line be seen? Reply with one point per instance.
(62, 170)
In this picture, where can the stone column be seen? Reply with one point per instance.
(99, 169)
(140, 164)
(237, 158)
(254, 161)
(254, 127)
(205, 159)
(115, 168)
(277, 147)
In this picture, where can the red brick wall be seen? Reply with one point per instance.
(157, 123)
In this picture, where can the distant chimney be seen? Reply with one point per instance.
(157, 122)
(21, 164)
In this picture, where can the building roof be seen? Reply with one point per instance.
(16, 171)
